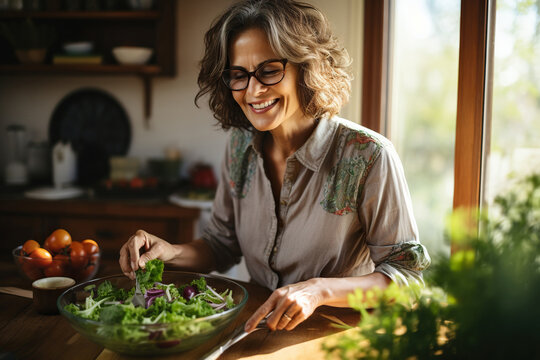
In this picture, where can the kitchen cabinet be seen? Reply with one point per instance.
(107, 29)
(109, 222)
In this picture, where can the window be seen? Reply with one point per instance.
(514, 142)
(498, 93)
(421, 109)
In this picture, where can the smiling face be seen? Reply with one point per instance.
(266, 107)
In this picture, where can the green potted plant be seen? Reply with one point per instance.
(29, 40)
(480, 303)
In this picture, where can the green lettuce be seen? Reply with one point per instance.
(112, 306)
(152, 273)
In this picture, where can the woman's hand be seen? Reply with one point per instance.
(154, 247)
(289, 305)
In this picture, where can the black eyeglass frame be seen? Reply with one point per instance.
(253, 73)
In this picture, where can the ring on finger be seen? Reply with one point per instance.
(287, 317)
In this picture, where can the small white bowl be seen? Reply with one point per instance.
(132, 55)
(78, 48)
(46, 291)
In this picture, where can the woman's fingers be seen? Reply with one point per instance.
(289, 316)
(274, 308)
(287, 306)
(136, 242)
(283, 299)
(124, 261)
(154, 252)
(129, 253)
(298, 318)
(260, 313)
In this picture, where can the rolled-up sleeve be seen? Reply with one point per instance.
(220, 232)
(385, 211)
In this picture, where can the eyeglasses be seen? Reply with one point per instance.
(270, 72)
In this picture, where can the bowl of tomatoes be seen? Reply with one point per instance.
(59, 255)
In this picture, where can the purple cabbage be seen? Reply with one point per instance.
(154, 335)
(151, 295)
(189, 292)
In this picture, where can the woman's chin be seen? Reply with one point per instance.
(264, 124)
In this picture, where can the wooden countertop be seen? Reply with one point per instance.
(84, 206)
(25, 334)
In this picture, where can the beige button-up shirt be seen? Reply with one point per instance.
(344, 210)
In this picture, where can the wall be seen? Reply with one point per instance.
(30, 100)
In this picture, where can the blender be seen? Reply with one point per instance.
(16, 172)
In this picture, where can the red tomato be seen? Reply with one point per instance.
(46, 245)
(77, 255)
(55, 269)
(32, 271)
(122, 183)
(61, 258)
(59, 266)
(85, 274)
(40, 258)
(59, 239)
(90, 247)
(108, 184)
(29, 246)
(151, 182)
(136, 183)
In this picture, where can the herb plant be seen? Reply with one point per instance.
(27, 35)
(480, 303)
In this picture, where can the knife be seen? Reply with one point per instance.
(238, 334)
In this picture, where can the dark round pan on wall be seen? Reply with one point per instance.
(97, 127)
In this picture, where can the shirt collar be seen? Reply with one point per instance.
(314, 150)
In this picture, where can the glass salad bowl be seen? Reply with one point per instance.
(147, 338)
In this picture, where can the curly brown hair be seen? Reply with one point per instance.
(298, 32)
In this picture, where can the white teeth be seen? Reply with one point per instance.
(264, 104)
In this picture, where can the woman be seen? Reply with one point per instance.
(317, 205)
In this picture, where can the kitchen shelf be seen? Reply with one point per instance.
(77, 15)
(106, 69)
(106, 29)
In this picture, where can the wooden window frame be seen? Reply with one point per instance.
(471, 97)
(375, 64)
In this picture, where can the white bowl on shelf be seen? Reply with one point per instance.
(78, 48)
(132, 55)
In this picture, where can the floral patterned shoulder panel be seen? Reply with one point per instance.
(355, 154)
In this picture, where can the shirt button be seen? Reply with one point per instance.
(283, 202)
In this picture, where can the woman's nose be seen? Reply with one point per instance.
(255, 87)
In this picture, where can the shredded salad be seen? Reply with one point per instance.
(164, 303)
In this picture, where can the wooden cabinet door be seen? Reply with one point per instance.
(16, 229)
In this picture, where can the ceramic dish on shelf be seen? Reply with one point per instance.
(78, 48)
(132, 55)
